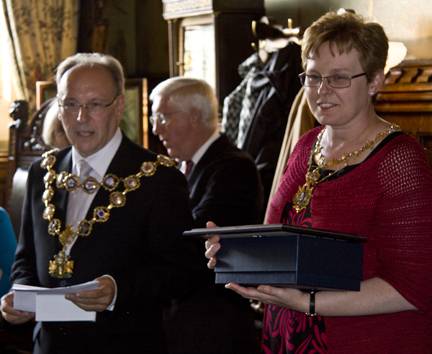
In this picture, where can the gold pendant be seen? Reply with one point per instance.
(302, 197)
(66, 235)
(61, 266)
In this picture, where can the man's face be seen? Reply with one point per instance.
(174, 127)
(90, 127)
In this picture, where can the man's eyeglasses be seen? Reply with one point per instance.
(93, 107)
(334, 81)
(161, 118)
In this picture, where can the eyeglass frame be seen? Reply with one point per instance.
(161, 118)
(303, 76)
(80, 106)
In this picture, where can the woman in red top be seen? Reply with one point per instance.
(359, 174)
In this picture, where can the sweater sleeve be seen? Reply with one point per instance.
(404, 227)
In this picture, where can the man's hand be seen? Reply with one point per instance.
(95, 300)
(10, 314)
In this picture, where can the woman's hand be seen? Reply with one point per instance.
(376, 296)
(10, 314)
(212, 246)
(285, 297)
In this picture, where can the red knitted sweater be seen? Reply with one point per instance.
(388, 199)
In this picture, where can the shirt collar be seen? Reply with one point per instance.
(204, 147)
(101, 159)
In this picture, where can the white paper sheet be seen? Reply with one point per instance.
(50, 303)
(54, 307)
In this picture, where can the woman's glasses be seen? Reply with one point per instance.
(334, 81)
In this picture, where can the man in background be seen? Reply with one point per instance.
(224, 187)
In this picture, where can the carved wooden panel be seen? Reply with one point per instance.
(406, 99)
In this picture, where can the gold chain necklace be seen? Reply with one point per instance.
(62, 265)
(331, 163)
(314, 175)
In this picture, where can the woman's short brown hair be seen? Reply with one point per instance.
(347, 31)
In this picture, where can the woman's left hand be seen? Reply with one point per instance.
(285, 297)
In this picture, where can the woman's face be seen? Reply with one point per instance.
(337, 106)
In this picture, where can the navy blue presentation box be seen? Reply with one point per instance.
(284, 255)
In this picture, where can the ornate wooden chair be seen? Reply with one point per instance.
(25, 146)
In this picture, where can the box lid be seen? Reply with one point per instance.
(270, 230)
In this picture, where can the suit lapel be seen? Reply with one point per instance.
(209, 156)
(206, 159)
(61, 196)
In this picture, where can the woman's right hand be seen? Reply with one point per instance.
(10, 314)
(212, 246)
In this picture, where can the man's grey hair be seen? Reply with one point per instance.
(191, 93)
(90, 60)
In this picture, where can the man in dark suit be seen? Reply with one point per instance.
(104, 209)
(224, 187)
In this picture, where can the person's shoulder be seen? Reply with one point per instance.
(402, 143)
(53, 156)
(226, 149)
(226, 155)
(404, 138)
(403, 152)
(402, 165)
(146, 161)
(135, 151)
(153, 164)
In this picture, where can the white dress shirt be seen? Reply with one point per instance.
(99, 162)
(201, 151)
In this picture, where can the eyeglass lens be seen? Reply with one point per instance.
(335, 81)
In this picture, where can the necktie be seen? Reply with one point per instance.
(79, 201)
(84, 169)
(75, 211)
(189, 166)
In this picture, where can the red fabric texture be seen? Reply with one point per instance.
(388, 199)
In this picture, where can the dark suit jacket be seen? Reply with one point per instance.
(139, 246)
(225, 188)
